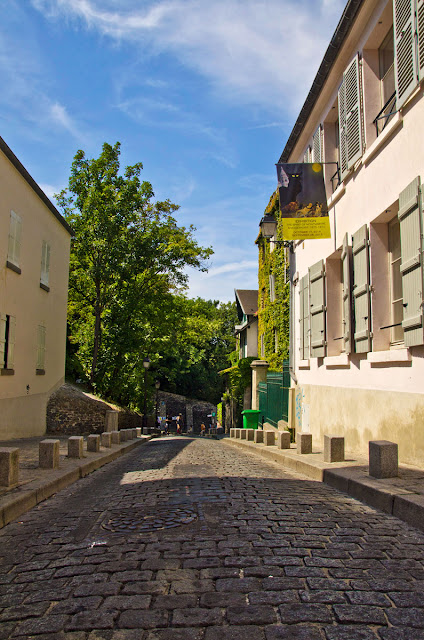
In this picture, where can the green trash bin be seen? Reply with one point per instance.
(250, 418)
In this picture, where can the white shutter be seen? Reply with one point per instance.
(3, 320)
(15, 232)
(361, 290)
(420, 38)
(307, 155)
(342, 132)
(405, 49)
(317, 145)
(45, 263)
(347, 296)
(352, 82)
(11, 343)
(317, 309)
(41, 346)
(304, 317)
(411, 268)
(272, 287)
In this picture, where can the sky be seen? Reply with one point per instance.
(204, 94)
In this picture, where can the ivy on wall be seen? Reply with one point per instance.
(273, 316)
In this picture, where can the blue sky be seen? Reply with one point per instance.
(203, 93)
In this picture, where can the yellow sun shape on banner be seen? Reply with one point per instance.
(317, 167)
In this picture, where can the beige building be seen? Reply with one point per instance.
(357, 348)
(34, 258)
(247, 331)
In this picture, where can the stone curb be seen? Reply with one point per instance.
(13, 506)
(352, 479)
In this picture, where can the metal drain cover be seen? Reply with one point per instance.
(134, 520)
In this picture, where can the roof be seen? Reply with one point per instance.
(346, 21)
(40, 193)
(248, 300)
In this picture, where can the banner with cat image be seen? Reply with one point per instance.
(303, 203)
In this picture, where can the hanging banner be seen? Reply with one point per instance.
(303, 203)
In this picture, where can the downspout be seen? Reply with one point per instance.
(291, 318)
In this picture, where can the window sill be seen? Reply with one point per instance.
(7, 372)
(339, 192)
(382, 138)
(40, 372)
(45, 287)
(304, 364)
(341, 360)
(13, 267)
(394, 356)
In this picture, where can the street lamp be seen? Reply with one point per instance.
(268, 227)
(157, 385)
(146, 365)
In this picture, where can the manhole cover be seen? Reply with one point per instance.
(134, 521)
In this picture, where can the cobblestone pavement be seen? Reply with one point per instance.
(192, 540)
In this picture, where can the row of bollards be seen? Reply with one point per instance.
(48, 452)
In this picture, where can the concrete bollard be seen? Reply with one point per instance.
(383, 459)
(243, 434)
(146, 431)
(116, 437)
(93, 443)
(111, 420)
(9, 466)
(138, 432)
(269, 438)
(250, 435)
(48, 454)
(259, 436)
(232, 433)
(334, 449)
(304, 443)
(123, 435)
(106, 439)
(237, 433)
(76, 447)
(283, 439)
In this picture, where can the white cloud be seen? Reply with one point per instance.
(260, 51)
(50, 190)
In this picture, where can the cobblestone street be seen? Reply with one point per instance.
(193, 540)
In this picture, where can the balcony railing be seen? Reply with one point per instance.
(383, 117)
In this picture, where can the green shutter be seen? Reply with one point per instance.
(361, 290)
(304, 318)
(352, 82)
(347, 296)
(317, 309)
(342, 132)
(11, 343)
(317, 145)
(3, 320)
(405, 49)
(411, 268)
(420, 38)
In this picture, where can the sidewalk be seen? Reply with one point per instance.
(36, 485)
(402, 497)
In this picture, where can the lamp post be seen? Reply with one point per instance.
(146, 365)
(268, 227)
(157, 385)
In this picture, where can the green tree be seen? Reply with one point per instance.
(127, 254)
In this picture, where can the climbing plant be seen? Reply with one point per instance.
(273, 315)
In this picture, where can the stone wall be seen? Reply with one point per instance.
(71, 411)
(193, 412)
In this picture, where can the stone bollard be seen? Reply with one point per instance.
(243, 434)
(106, 439)
(269, 438)
(237, 435)
(111, 420)
(123, 435)
(283, 439)
(116, 437)
(93, 443)
(250, 435)
(138, 432)
(48, 454)
(304, 443)
(75, 447)
(383, 459)
(146, 431)
(232, 433)
(9, 466)
(259, 436)
(334, 449)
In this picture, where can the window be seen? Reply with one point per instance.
(396, 296)
(41, 349)
(7, 343)
(272, 287)
(408, 18)
(387, 82)
(262, 343)
(275, 341)
(45, 266)
(350, 117)
(14, 248)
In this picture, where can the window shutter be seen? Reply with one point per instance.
(41, 346)
(420, 38)
(361, 290)
(342, 132)
(272, 287)
(15, 232)
(304, 318)
(347, 297)
(317, 145)
(405, 55)
(317, 309)
(45, 263)
(353, 112)
(11, 343)
(411, 268)
(2, 339)
(307, 155)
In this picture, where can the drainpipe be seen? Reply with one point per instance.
(292, 265)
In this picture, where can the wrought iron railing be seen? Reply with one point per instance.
(382, 115)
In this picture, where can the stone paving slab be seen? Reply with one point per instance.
(36, 485)
(402, 496)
